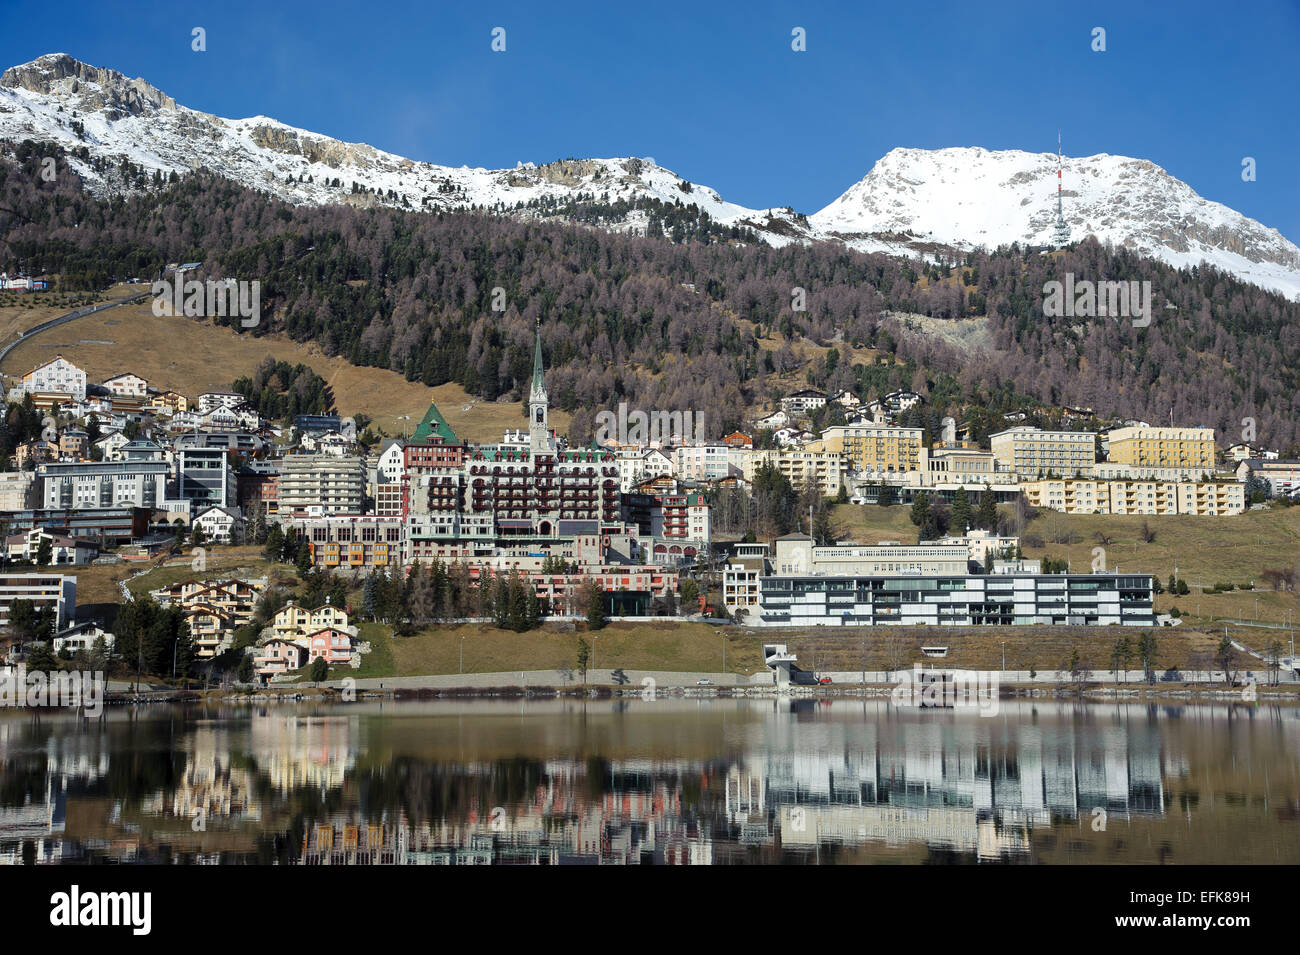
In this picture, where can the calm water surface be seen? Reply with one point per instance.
(668, 781)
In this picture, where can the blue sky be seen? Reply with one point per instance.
(714, 91)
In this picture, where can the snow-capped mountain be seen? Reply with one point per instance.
(911, 201)
(59, 99)
(972, 196)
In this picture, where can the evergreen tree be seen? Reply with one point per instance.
(595, 607)
(961, 512)
(274, 549)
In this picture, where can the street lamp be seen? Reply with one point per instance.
(462, 653)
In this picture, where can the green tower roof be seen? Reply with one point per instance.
(433, 427)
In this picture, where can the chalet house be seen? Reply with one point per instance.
(291, 620)
(278, 656)
(802, 402)
(331, 644)
(777, 419)
(220, 525)
(211, 628)
(81, 637)
(127, 385)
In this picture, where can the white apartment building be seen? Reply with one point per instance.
(210, 401)
(703, 462)
(80, 485)
(58, 375)
(1032, 452)
(54, 590)
(322, 484)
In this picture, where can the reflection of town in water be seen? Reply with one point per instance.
(696, 782)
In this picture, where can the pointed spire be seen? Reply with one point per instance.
(539, 376)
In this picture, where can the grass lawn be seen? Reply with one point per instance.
(214, 356)
(671, 645)
(1207, 550)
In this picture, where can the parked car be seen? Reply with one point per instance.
(704, 683)
(824, 679)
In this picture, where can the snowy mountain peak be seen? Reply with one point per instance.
(63, 77)
(969, 196)
(912, 200)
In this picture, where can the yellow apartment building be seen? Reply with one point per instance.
(873, 447)
(1163, 447)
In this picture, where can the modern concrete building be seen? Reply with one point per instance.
(321, 483)
(955, 600)
(87, 484)
(356, 541)
(53, 590)
(796, 554)
(204, 477)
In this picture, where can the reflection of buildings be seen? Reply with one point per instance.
(853, 781)
(945, 783)
(303, 751)
(209, 789)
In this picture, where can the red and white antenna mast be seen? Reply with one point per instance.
(1061, 235)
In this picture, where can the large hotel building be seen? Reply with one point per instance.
(1163, 447)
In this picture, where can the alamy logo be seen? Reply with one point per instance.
(640, 427)
(20, 688)
(74, 908)
(958, 689)
(1087, 299)
(209, 299)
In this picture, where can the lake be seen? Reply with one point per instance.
(667, 781)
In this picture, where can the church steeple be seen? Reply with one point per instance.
(538, 392)
(539, 429)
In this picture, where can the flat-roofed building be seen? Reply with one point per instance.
(352, 541)
(333, 485)
(873, 447)
(744, 568)
(89, 484)
(821, 469)
(1007, 599)
(962, 465)
(18, 490)
(796, 554)
(1197, 498)
(1033, 452)
(43, 590)
(1163, 447)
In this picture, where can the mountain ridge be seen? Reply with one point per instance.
(911, 201)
